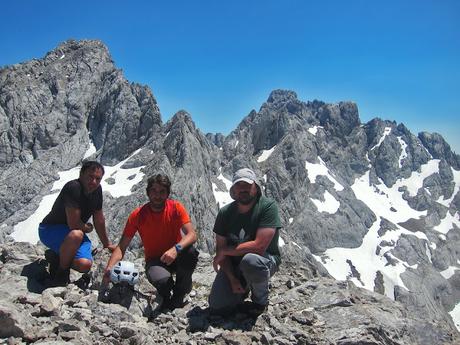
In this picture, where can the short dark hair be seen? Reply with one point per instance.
(161, 179)
(91, 165)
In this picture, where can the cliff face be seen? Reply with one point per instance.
(369, 203)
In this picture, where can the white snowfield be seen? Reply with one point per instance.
(329, 205)
(265, 154)
(403, 154)
(125, 179)
(314, 170)
(314, 130)
(222, 197)
(386, 133)
(388, 203)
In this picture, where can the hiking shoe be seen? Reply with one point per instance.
(252, 308)
(53, 260)
(177, 302)
(61, 278)
(84, 281)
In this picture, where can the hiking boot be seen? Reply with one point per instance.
(61, 278)
(53, 260)
(252, 308)
(84, 281)
(177, 302)
(164, 303)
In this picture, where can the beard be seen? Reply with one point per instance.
(157, 205)
(245, 198)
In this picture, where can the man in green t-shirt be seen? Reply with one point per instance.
(247, 253)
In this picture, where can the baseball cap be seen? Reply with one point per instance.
(245, 175)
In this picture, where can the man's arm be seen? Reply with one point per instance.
(117, 254)
(190, 238)
(223, 263)
(258, 246)
(74, 222)
(99, 224)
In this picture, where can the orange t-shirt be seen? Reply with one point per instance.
(159, 231)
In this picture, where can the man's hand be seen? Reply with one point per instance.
(169, 256)
(217, 262)
(111, 247)
(106, 277)
(87, 228)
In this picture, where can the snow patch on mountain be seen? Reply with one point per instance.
(415, 181)
(361, 264)
(383, 201)
(455, 314)
(403, 154)
(265, 154)
(91, 150)
(386, 133)
(314, 130)
(222, 197)
(338, 262)
(314, 170)
(447, 223)
(449, 272)
(329, 205)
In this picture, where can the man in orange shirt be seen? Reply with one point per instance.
(161, 223)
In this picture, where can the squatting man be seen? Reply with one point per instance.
(247, 253)
(64, 229)
(167, 235)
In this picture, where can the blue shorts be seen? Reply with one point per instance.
(52, 236)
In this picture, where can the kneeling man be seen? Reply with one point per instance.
(168, 236)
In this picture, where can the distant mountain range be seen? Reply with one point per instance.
(371, 202)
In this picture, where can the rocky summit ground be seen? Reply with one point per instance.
(304, 309)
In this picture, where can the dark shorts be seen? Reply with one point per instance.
(52, 236)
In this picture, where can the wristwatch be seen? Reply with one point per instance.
(178, 248)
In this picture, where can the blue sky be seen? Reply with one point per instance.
(398, 60)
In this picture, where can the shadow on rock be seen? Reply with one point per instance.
(200, 319)
(36, 273)
(119, 294)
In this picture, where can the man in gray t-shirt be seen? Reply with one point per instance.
(247, 253)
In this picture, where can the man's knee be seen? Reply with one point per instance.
(159, 277)
(82, 265)
(253, 266)
(188, 259)
(76, 235)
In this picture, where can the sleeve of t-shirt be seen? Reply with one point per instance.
(184, 218)
(131, 224)
(72, 194)
(218, 225)
(269, 217)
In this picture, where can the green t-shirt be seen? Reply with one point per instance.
(242, 227)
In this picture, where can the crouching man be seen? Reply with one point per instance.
(64, 229)
(160, 224)
(247, 254)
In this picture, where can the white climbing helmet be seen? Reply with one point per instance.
(124, 271)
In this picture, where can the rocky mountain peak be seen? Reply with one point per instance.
(281, 96)
(181, 118)
(439, 148)
(82, 49)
